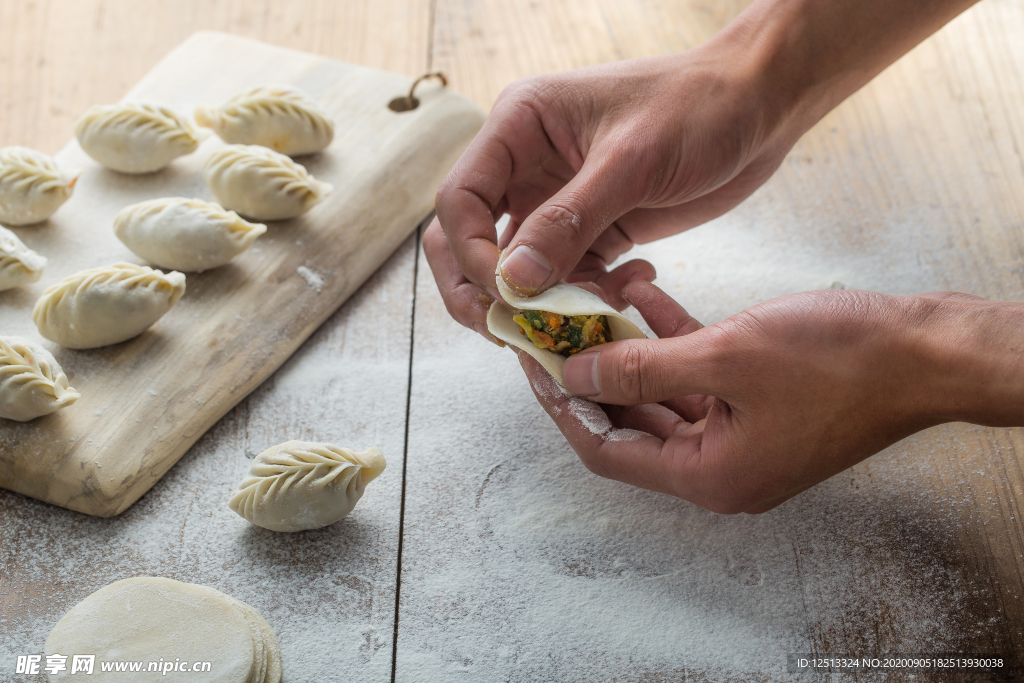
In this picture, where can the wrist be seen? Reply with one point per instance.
(807, 56)
(971, 359)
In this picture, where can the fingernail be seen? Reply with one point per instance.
(525, 269)
(581, 374)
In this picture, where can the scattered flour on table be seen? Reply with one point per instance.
(519, 564)
(312, 278)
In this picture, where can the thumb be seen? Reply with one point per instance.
(553, 239)
(638, 371)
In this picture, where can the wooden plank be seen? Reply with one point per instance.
(59, 57)
(518, 564)
(147, 401)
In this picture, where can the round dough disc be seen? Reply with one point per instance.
(145, 619)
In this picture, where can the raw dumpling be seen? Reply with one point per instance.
(32, 383)
(32, 187)
(108, 305)
(19, 265)
(298, 485)
(279, 117)
(136, 137)
(563, 300)
(185, 234)
(175, 625)
(260, 183)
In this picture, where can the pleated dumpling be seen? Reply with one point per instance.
(280, 117)
(261, 183)
(298, 485)
(32, 383)
(19, 265)
(136, 137)
(189, 235)
(32, 187)
(108, 305)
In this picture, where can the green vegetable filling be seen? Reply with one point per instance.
(563, 334)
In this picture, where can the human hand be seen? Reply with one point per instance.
(591, 161)
(745, 414)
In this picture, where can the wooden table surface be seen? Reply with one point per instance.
(503, 560)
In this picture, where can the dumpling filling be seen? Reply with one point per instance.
(564, 334)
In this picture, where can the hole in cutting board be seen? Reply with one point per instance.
(410, 101)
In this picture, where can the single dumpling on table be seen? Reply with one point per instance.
(136, 137)
(280, 117)
(32, 383)
(190, 235)
(301, 485)
(260, 183)
(32, 186)
(108, 305)
(557, 323)
(19, 265)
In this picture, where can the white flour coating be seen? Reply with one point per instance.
(519, 564)
(312, 278)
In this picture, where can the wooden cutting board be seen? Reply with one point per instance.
(146, 401)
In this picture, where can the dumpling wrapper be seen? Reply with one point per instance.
(188, 235)
(563, 299)
(144, 619)
(32, 186)
(32, 383)
(103, 306)
(136, 137)
(19, 265)
(280, 117)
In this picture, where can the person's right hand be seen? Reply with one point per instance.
(589, 162)
(746, 413)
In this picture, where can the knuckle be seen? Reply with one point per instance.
(632, 380)
(563, 218)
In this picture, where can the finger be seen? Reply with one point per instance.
(591, 269)
(616, 280)
(553, 238)
(661, 312)
(626, 455)
(691, 408)
(467, 201)
(465, 301)
(652, 418)
(611, 244)
(636, 371)
(955, 296)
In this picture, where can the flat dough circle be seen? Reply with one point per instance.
(145, 619)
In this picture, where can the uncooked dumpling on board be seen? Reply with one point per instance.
(107, 305)
(19, 265)
(154, 619)
(280, 117)
(32, 186)
(260, 183)
(298, 485)
(32, 383)
(189, 235)
(556, 323)
(136, 137)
